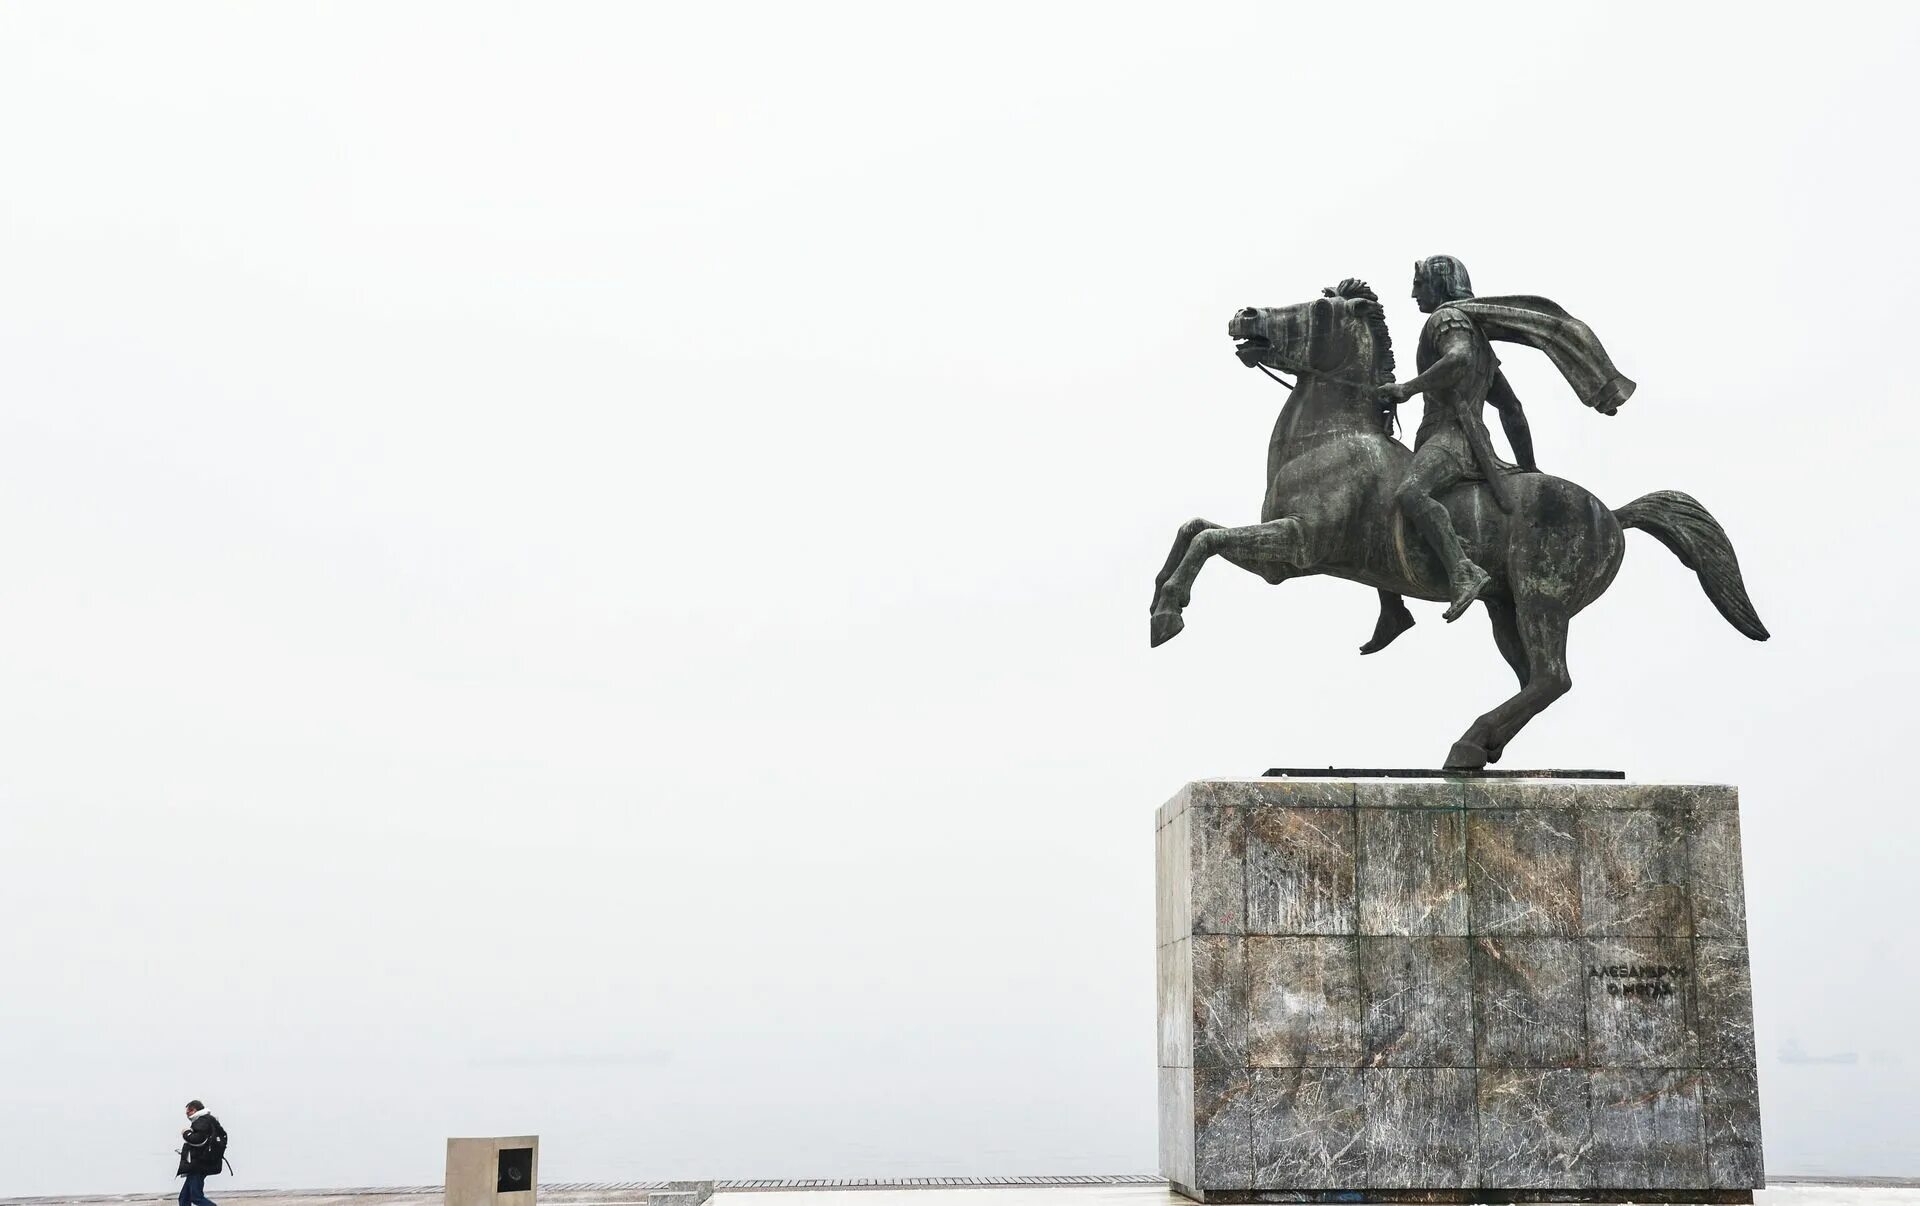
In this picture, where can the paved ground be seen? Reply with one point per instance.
(929, 1191)
(595, 1193)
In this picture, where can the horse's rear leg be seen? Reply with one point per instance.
(1542, 634)
(1506, 635)
(1273, 550)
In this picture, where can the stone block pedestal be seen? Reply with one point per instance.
(493, 1171)
(1446, 990)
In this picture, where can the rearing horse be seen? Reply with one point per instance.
(1331, 476)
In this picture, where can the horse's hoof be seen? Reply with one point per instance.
(1166, 626)
(1465, 755)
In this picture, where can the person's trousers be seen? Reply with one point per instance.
(194, 1192)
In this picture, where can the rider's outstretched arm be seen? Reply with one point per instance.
(1513, 420)
(1456, 360)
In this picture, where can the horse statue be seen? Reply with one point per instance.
(1332, 474)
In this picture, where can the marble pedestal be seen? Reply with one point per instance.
(1455, 990)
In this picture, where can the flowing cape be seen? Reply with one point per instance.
(1568, 342)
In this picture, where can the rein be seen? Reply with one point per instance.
(1261, 365)
(1392, 412)
(1291, 385)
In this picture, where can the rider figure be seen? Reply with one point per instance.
(1459, 373)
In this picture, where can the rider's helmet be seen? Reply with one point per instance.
(1447, 275)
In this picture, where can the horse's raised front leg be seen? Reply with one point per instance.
(1181, 539)
(1276, 551)
(1540, 630)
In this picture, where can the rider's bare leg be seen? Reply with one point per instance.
(1427, 477)
(1394, 620)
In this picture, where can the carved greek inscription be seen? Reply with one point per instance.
(1639, 979)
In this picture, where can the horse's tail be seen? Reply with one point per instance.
(1678, 521)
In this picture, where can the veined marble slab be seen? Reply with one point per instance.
(1455, 989)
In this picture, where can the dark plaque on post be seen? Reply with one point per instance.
(1459, 984)
(516, 1170)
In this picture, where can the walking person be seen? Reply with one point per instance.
(202, 1153)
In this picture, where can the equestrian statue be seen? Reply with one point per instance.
(1447, 521)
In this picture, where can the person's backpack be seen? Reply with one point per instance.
(217, 1148)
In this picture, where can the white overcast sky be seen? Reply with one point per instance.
(584, 568)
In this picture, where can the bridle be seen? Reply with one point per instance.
(1262, 366)
(1305, 373)
(1392, 411)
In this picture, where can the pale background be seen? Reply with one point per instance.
(584, 569)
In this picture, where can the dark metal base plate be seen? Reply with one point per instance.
(1401, 772)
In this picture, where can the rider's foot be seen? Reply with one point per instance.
(1394, 620)
(1467, 585)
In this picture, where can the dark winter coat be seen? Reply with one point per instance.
(197, 1149)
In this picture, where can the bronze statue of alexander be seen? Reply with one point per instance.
(1446, 520)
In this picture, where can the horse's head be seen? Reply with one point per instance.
(1342, 334)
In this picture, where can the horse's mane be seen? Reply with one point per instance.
(1376, 323)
